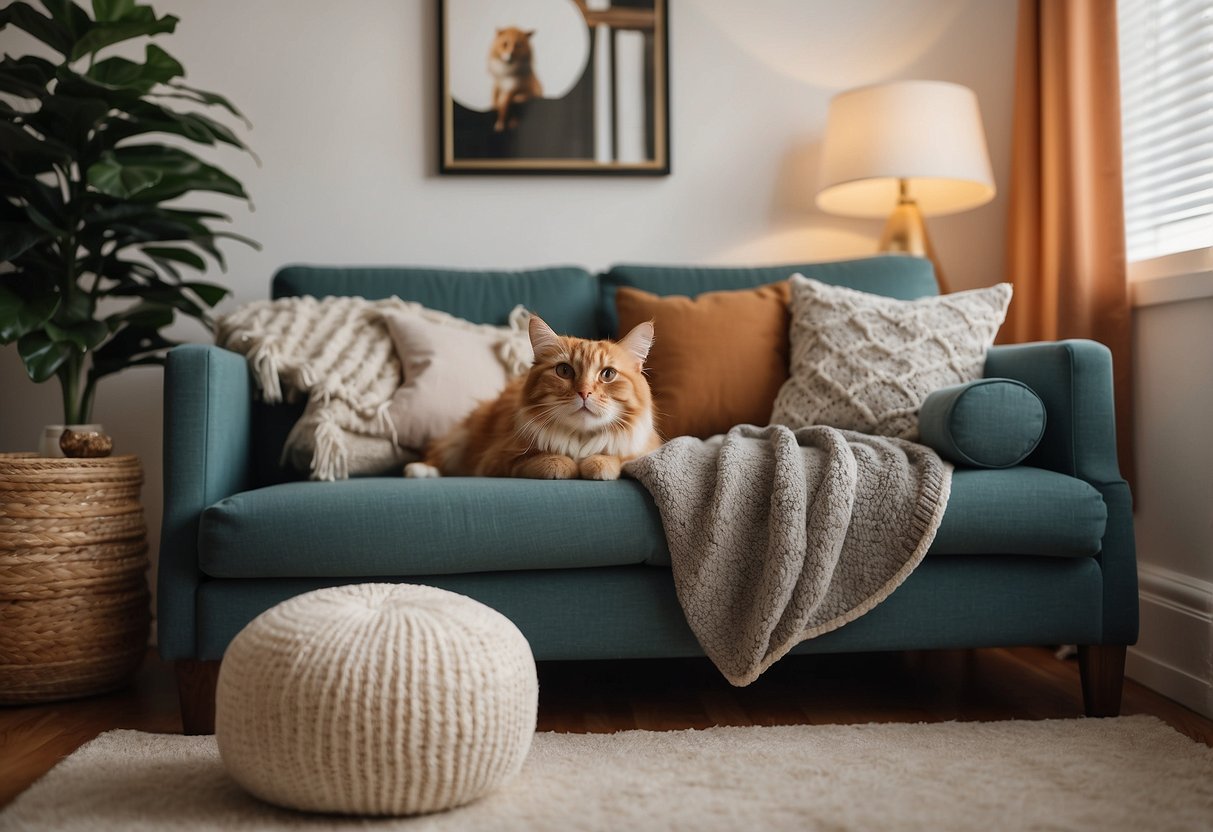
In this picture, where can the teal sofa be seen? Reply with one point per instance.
(1040, 553)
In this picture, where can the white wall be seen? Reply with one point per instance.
(1173, 374)
(343, 101)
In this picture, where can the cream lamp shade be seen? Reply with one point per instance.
(923, 139)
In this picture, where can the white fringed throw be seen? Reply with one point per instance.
(336, 353)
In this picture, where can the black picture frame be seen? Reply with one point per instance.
(549, 136)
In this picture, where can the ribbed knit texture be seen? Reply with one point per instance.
(376, 699)
(336, 353)
(866, 362)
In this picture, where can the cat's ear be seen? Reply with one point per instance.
(639, 340)
(543, 340)
(530, 33)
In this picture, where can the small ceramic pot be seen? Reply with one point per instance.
(85, 444)
(49, 446)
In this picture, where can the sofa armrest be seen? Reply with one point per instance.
(208, 394)
(1074, 379)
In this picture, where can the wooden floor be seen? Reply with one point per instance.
(1023, 683)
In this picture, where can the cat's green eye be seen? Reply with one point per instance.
(565, 370)
(608, 374)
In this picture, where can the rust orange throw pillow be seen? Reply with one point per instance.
(718, 359)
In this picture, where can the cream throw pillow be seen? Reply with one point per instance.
(866, 362)
(449, 367)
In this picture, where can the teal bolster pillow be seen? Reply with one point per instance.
(988, 423)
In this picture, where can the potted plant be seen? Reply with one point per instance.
(96, 253)
(89, 213)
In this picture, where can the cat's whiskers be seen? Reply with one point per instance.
(534, 427)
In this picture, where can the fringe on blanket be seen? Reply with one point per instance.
(336, 354)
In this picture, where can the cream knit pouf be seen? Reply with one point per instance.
(376, 699)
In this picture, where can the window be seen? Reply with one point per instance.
(1166, 83)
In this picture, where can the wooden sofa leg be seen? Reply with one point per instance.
(1102, 668)
(196, 682)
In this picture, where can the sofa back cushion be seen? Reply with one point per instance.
(566, 296)
(718, 359)
(896, 276)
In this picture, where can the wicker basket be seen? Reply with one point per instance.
(74, 611)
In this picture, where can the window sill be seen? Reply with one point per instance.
(1187, 275)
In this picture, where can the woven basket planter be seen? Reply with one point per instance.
(74, 606)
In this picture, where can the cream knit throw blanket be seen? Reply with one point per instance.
(777, 536)
(336, 353)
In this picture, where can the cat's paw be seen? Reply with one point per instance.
(600, 467)
(421, 471)
(548, 467)
(498, 126)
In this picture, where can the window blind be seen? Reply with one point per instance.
(1166, 85)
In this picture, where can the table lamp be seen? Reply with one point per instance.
(906, 147)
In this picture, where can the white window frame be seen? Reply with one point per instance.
(1184, 275)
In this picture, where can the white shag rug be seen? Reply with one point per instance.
(1130, 773)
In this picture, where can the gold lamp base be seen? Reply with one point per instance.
(906, 233)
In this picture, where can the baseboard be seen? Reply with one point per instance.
(1174, 654)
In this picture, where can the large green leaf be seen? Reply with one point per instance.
(177, 255)
(17, 237)
(114, 178)
(41, 355)
(171, 295)
(10, 211)
(209, 292)
(30, 20)
(71, 17)
(27, 76)
(20, 315)
(28, 154)
(45, 213)
(125, 278)
(153, 316)
(112, 11)
(146, 117)
(78, 308)
(211, 99)
(111, 210)
(70, 119)
(131, 345)
(84, 335)
(158, 67)
(181, 172)
(154, 230)
(133, 25)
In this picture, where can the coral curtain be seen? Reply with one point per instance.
(1066, 239)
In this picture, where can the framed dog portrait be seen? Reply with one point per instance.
(554, 87)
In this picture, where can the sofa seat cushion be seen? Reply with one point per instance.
(393, 527)
(1021, 511)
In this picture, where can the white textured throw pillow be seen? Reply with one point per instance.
(866, 362)
(450, 365)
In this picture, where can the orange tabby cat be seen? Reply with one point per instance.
(582, 410)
